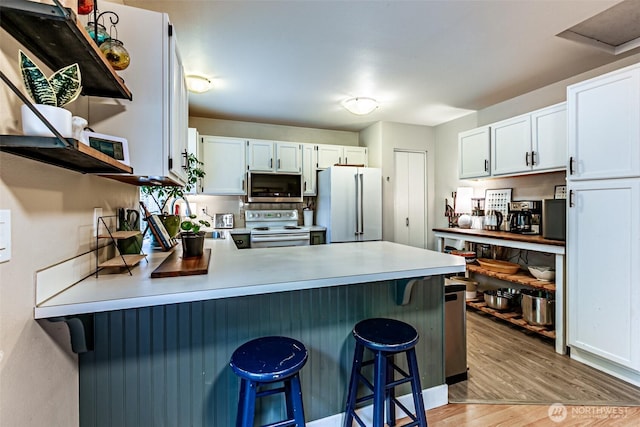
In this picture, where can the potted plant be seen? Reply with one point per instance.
(192, 237)
(161, 195)
(49, 95)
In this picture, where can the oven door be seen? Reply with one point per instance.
(274, 240)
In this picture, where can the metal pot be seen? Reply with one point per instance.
(538, 307)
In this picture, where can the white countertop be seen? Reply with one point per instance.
(234, 272)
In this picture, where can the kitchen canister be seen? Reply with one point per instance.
(308, 217)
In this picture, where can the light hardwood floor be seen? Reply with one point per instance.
(507, 365)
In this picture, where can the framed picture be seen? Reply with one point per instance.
(113, 146)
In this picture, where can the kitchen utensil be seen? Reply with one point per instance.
(496, 301)
(499, 265)
(538, 307)
(493, 220)
(542, 273)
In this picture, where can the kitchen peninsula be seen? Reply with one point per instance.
(159, 348)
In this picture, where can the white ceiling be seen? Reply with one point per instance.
(426, 62)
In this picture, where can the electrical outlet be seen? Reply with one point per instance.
(97, 213)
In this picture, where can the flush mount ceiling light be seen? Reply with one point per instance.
(198, 84)
(360, 105)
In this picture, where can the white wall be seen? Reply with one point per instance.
(52, 221)
(382, 139)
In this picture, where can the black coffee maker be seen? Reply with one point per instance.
(525, 216)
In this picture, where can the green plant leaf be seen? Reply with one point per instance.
(35, 82)
(66, 84)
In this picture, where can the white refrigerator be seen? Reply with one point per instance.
(349, 203)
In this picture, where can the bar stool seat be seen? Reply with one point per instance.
(267, 360)
(385, 338)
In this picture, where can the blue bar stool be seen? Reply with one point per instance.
(267, 360)
(385, 338)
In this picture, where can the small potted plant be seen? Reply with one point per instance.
(49, 95)
(192, 236)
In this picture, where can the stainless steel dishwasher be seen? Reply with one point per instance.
(455, 333)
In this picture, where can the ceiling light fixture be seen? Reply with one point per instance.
(360, 106)
(198, 84)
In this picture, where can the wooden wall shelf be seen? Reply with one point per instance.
(58, 39)
(78, 157)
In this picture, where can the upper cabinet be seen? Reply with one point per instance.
(269, 156)
(604, 123)
(530, 143)
(155, 121)
(330, 155)
(224, 165)
(309, 175)
(473, 151)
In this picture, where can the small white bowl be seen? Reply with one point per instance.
(546, 274)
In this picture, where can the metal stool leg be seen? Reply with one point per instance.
(416, 388)
(353, 385)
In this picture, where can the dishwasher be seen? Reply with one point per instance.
(455, 332)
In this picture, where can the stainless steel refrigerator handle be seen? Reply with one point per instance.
(357, 198)
(361, 203)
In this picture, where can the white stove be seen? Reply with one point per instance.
(275, 228)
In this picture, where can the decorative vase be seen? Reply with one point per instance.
(171, 224)
(116, 54)
(103, 35)
(192, 244)
(57, 116)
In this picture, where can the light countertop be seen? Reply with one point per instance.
(234, 272)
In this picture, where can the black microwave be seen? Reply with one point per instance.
(274, 188)
(554, 219)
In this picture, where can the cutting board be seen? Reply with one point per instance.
(174, 265)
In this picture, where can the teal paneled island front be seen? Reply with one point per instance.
(160, 347)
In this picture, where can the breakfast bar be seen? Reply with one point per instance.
(160, 348)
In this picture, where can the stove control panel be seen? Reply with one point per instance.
(271, 215)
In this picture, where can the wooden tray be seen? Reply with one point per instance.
(174, 265)
(498, 265)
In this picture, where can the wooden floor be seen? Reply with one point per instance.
(510, 366)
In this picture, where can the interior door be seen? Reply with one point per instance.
(410, 198)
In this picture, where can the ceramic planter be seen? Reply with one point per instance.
(192, 244)
(57, 116)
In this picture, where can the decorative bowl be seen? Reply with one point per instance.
(546, 274)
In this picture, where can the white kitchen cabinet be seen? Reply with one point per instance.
(473, 153)
(155, 121)
(330, 155)
(511, 145)
(270, 156)
(604, 126)
(309, 175)
(603, 269)
(224, 165)
(549, 138)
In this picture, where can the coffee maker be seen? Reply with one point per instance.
(525, 216)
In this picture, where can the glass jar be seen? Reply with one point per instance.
(116, 54)
(85, 7)
(102, 33)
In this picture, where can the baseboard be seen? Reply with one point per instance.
(433, 397)
(597, 362)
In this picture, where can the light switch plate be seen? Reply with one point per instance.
(5, 235)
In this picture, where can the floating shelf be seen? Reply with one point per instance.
(521, 278)
(78, 157)
(56, 36)
(512, 317)
(119, 235)
(129, 261)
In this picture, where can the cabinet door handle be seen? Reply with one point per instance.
(407, 222)
(486, 165)
(243, 189)
(571, 165)
(346, 160)
(571, 204)
(278, 163)
(305, 186)
(526, 158)
(271, 163)
(185, 156)
(533, 158)
(339, 160)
